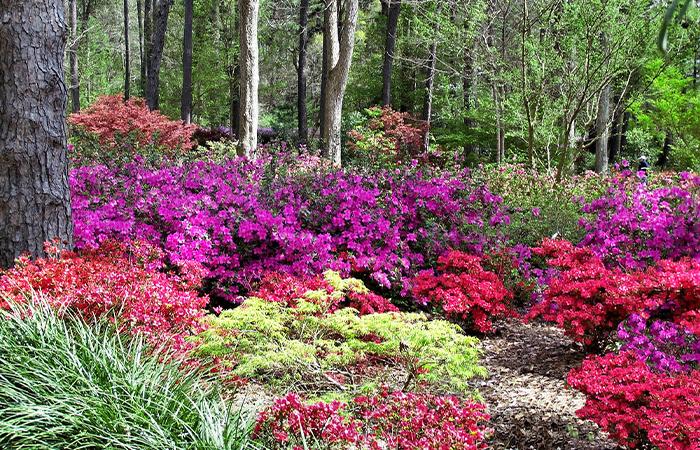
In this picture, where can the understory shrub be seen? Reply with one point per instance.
(114, 130)
(396, 420)
(307, 347)
(114, 279)
(67, 384)
(637, 224)
(638, 406)
(241, 219)
(462, 289)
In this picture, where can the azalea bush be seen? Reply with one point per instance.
(310, 348)
(113, 129)
(396, 420)
(384, 138)
(636, 224)
(462, 289)
(638, 406)
(241, 219)
(115, 280)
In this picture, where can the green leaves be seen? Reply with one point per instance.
(678, 6)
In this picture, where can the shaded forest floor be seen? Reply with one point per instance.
(526, 393)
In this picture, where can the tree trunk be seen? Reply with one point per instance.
(250, 76)
(393, 12)
(73, 56)
(142, 62)
(339, 49)
(615, 134)
(127, 56)
(467, 94)
(148, 41)
(665, 151)
(302, 115)
(186, 101)
(602, 131)
(34, 192)
(161, 10)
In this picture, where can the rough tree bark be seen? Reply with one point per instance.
(602, 131)
(73, 56)
(186, 100)
(127, 54)
(302, 115)
(34, 192)
(250, 76)
(339, 49)
(142, 61)
(393, 11)
(161, 10)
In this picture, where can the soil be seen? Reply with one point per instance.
(526, 393)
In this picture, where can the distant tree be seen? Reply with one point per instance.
(159, 21)
(34, 192)
(393, 10)
(127, 54)
(73, 56)
(186, 101)
(250, 77)
(302, 115)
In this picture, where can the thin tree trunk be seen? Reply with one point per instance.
(34, 192)
(186, 101)
(142, 62)
(250, 76)
(161, 10)
(339, 48)
(302, 114)
(665, 151)
(393, 12)
(467, 92)
(127, 56)
(602, 131)
(429, 89)
(73, 56)
(148, 41)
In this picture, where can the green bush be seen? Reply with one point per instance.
(66, 384)
(307, 349)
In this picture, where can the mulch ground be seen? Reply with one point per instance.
(526, 393)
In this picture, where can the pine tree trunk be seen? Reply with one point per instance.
(250, 76)
(339, 50)
(393, 12)
(34, 192)
(467, 93)
(186, 101)
(161, 10)
(302, 116)
(142, 61)
(147, 41)
(602, 131)
(127, 54)
(73, 56)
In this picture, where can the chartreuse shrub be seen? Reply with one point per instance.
(307, 347)
(67, 384)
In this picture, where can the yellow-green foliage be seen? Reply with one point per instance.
(275, 343)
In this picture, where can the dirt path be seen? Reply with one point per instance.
(526, 394)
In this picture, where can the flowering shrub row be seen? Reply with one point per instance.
(635, 224)
(637, 405)
(464, 290)
(395, 420)
(242, 219)
(113, 279)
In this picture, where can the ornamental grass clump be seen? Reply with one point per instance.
(67, 384)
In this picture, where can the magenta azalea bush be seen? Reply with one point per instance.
(241, 219)
(635, 224)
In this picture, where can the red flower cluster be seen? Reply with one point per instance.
(464, 290)
(289, 289)
(588, 300)
(112, 119)
(395, 420)
(112, 280)
(638, 406)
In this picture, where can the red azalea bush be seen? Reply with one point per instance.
(385, 138)
(589, 301)
(464, 290)
(129, 126)
(395, 420)
(638, 406)
(289, 289)
(112, 279)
